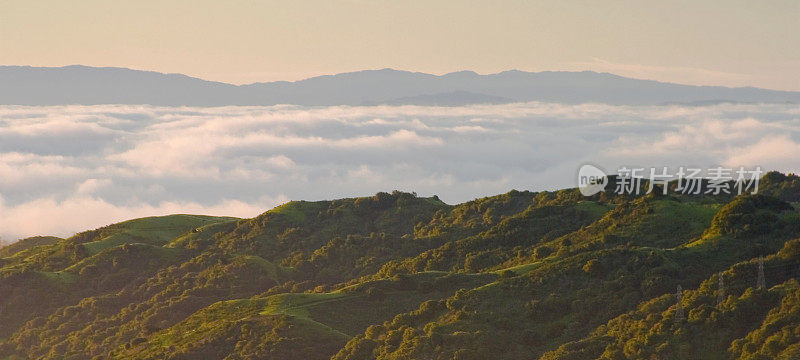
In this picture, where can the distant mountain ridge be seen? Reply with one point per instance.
(77, 84)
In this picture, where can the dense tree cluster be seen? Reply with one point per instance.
(520, 275)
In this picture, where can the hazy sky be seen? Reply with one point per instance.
(721, 42)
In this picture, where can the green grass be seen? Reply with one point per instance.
(671, 223)
(229, 319)
(59, 278)
(276, 272)
(593, 208)
(157, 254)
(662, 223)
(295, 211)
(520, 269)
(203, 232)
(27, 243)
(300, 304)
(157, 231)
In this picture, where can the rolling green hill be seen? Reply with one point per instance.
(522, 275)
(27, 243)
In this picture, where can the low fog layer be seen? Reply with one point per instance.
(71, 168)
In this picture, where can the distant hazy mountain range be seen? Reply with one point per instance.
(24, 85)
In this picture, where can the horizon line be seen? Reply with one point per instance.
(385, 69)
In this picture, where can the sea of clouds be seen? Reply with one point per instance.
(69, 168)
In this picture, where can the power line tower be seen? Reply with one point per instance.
(761, 282)
(679, 311)
(721, 290)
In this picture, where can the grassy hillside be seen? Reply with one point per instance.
(152, 230)
(521, 275)
(311, 325)
(27, 243)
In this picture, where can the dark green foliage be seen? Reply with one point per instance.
(513, 237)
(739, 327)
(749, 215)
(784, 187)
(393, 276)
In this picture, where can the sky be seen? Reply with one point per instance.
(72, 168)
(714, 42)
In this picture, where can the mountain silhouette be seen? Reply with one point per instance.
(76, 84)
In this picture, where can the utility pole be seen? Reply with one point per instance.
(761, 283)
(721, 290)
(679, 312)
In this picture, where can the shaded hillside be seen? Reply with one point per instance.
(395, 276)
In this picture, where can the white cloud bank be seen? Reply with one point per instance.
(69, 168)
